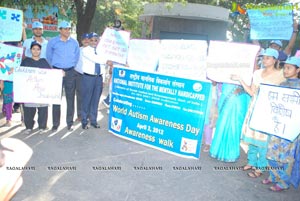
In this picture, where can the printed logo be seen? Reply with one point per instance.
(197, 87)
(122, 73)
(116, 124)
(188, 145)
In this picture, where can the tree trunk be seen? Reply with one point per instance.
(85, 13)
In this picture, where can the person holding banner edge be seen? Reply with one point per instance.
(78, 69)
(92, 82)
(284, 156)
(257, 141)
(30, 108)
(63, 53)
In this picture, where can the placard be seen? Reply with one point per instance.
(183, 58)
(10, 57)
(226, 59)
(114, 45)
(143, 55)
(277, 111)
(11, 23)
(271, 23)
(37, 85)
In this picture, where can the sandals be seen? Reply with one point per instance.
(266, 181)
(277, 188)
(254, 174)
(247, 167)
(206, 148)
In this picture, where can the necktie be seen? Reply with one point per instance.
(97, 67)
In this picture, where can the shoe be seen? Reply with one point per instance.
(277, 188)
(70, 128)
(27, 131)
(78, 119)
(54, 128)
(42, 130)
(254, 174)
(105, 104)
(266, 181)
(85, 126)
(95, 125)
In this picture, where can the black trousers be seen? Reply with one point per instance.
(29, 113)
(69, 83)
(78, 94)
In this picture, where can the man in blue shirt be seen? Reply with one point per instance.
(63, 53)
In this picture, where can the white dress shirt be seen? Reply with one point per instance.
(89, 59)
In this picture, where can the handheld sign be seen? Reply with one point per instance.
(271, 22)
(11, 23)
(36, 85)
(225, 59)
(143, 54)
(183, 58)
(10, 58)
(277, 111)
(113, 45)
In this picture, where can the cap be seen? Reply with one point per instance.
(271, 52)
(93, 34)
(277, 42)
(294, 61)
(37, 24)
(64, 24)
(35, 43)
(85, 35)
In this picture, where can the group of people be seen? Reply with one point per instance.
(228, 116)
(83, 74)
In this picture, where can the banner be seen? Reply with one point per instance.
(11, 23)
(47, 15)
(183, 58)
(163, 112)
(37, 85)
(271, 23)
(143, 54)
(277, 111)
(10, 57)
(225, 59)
(114, 45)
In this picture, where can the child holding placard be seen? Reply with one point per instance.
(284, 156)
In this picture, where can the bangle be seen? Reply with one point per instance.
(295, 31)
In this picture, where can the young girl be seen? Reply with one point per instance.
(30, 108)
(257, 141)
(283, 155)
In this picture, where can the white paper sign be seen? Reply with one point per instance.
(143, 55)
(183, 58)
(36, 85)
(226, 58)
(277, 111)
(114, 45)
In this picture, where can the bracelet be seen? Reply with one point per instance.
(295, 31)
